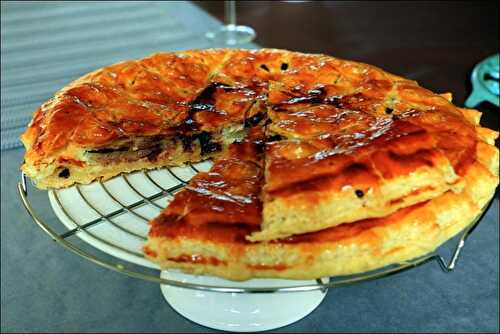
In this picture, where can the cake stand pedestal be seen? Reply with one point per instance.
(237, 312)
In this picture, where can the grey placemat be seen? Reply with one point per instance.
(45, 45)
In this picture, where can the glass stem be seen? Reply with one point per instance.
(230, 12)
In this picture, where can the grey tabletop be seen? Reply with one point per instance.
(47, 289)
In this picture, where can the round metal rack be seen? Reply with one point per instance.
(156, 198)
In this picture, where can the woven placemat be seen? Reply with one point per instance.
(46, 45)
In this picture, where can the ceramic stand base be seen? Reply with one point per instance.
(238, 312)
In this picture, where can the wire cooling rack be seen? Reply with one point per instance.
(113, 216)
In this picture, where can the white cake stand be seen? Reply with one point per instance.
(113, 217)
(124, 235)
(236, 312)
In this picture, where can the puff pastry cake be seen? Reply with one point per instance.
(321, 166)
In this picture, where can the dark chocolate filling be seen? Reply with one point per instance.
(187, 142)
(206, 144)
(64, 173)
(155, 151)
(109, 150)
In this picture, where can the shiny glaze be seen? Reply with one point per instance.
(454, 137)
(207, 90)
(162, 94)
(360, 174)
(170, 227)
(339, 126)
(219, 105)
(232, 230)
(331, 114)
(227, 194)
(385, 149)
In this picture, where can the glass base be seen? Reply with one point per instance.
(231, 35)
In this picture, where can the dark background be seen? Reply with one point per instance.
(435, 43)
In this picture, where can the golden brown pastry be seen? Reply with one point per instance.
(194, 233)
(322, 166)
(166, 109)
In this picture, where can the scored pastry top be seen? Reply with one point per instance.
(341, 141)
(207, 89)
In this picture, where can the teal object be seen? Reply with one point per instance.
(484, 79)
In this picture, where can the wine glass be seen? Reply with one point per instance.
(231, 34)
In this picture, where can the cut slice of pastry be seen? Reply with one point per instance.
(227, 194)
(312, 185)
(213, 245)
(365, 154)
(201, 242)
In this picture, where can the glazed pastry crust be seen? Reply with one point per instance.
(213, 247)
(357, 168)
(342, 250)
